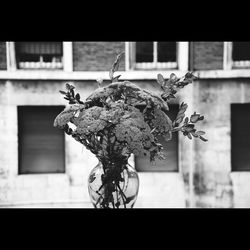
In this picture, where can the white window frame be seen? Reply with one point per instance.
(67, 57)
(181, 64)
(228, 63)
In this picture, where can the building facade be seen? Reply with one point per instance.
(41, 167)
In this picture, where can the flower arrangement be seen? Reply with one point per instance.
(121, 119)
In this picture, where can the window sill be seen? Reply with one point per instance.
(84, 75)
(214, 74)
(125, 75)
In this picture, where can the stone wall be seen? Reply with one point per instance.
(215, 183)
(156, 189)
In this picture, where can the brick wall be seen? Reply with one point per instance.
(207, 55)
(3, 64)
(96, 56)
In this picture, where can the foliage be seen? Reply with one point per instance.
(121, 119)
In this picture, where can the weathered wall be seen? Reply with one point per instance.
(156, 190)
(96, 56)
(215, 183)
(16, 188)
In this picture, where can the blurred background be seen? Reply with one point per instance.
(42, 167)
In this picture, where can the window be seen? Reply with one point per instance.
(40, 145)
(240, 137)
(236, 55)
(39, 55)
(142, 164)
(155, 55)
(241, 54)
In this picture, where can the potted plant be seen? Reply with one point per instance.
(119, 120)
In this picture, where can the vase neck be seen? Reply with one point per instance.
(117, 162)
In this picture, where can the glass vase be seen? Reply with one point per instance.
(113, 186)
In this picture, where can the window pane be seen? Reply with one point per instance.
(40, 145)
(240, 137)
(142, 164)
(39, 48)
(144, 52)
(166, 51)
(241, 51)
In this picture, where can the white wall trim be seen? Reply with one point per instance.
(83, 75)
(183, 52)
(227, 56)
(68, 56)
(125, 75)
(127, 55)
(11, 56)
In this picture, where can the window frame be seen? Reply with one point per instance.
(228, 63)
(234, 168)
(19, 172)
(182, 58)
(67, 58)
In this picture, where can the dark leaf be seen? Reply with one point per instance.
(115, 66)
(160, 79)
(200, 133)
(78, 97)
(116, 78)
(203, 139)
(173, 78)
(180, 118)
(63, 92)
(194, 118)
(186, 120)
(67, 86)
(194, 134)
(72, 93)
(190, 76)
(92, 177)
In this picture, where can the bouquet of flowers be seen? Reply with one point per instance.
(121, 119)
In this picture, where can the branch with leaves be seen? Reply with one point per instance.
(121, 119)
